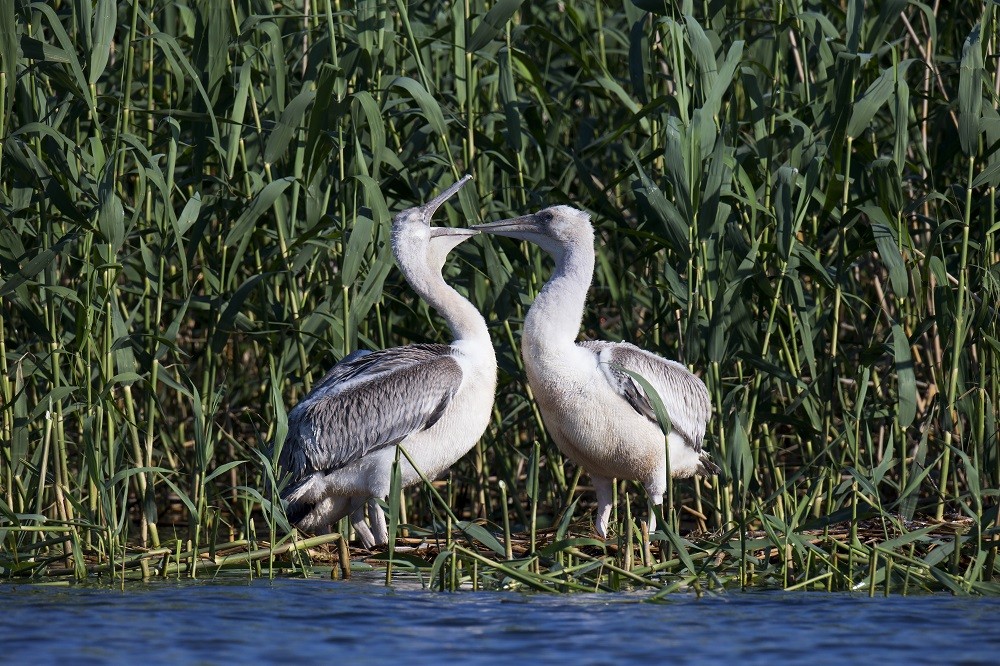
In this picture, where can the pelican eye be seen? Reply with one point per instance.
(545, 216)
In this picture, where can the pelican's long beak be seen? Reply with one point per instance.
(445, 239)
(425, 212)
(524, 227)
(428, 209)
(467, 232)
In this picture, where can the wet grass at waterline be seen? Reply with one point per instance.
(797, 200)
(917, 557)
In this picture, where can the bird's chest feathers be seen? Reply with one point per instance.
(558, 364)
(569, 384)
(479, 370)
(590, 422)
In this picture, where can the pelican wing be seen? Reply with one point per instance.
(683, 394)
(369, 401)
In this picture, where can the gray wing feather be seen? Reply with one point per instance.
(368, 402)
(682, 393)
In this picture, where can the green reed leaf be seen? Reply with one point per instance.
(36, 264)
(260, 203)
(493, 23)
(784, 211)
(105, 22)
(358, 240)
(888, 249)
(288, 125)
(429, 106)
(9, 53)
(874, 98)
(970, 92)
(905, 377)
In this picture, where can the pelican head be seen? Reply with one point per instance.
(414, 239)
(555, 229)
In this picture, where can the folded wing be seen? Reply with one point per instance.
(366, 402)
(683, 394)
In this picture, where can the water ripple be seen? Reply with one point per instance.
(363, 622)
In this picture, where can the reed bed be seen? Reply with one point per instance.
(795, 198)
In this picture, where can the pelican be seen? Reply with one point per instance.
(596, 413)
(433, 400)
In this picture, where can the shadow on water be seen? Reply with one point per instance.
(362, 621)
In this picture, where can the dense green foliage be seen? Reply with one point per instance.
(796, 198)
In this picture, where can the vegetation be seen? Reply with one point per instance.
(796, 198)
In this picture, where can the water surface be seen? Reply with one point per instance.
(361, 621)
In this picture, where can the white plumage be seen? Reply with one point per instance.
(597, 414)
(433, 400)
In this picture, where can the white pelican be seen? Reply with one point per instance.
(598, 415)
(433, 400)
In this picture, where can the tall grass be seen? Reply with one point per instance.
(796, 199)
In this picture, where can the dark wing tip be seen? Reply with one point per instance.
(707, 467)
(438, 412)
(296, 511)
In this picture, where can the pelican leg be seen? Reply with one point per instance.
(358, 522)
(657, 503)
(603, 486)
(655, 490)
(377, 518)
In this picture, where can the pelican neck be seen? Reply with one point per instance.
(463, 319)
(554, 318)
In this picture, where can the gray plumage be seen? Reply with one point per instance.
(369, 402)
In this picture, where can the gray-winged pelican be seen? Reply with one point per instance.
(598, 415)
(434, 400)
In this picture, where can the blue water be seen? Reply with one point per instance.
(361, 621)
